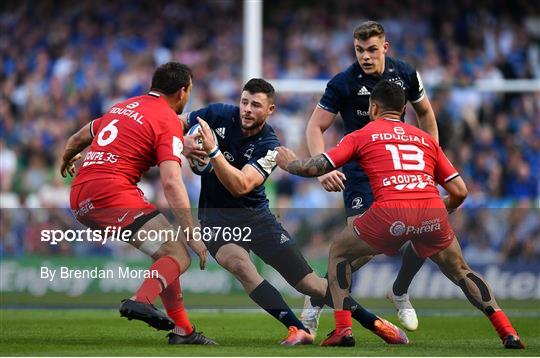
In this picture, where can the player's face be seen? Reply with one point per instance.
(370, 54)
(254, 110)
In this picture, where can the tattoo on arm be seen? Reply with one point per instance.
(310, 167)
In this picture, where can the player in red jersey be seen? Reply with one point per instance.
(125, 142)
(404, 165)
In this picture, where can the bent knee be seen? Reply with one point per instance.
(459, 271)
(338, 249)
(311, 286)
(177, 251)
(237, 266)
(310, 291)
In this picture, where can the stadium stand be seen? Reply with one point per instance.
(65, 63)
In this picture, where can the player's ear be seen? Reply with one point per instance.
(386, 46)
(271, 108)
(182, 94)
(373, 110)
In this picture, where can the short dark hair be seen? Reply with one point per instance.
(170, 77)
(389, 95)
(367, 30)
(258, 85)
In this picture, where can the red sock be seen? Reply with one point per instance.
(502, 324)
(343, 319)
(174, 305)
(168, 271)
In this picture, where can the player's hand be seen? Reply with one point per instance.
(333, 181)
(284, 157)
(208, 143)
(192, 147)
(68, 166)
(200, 249)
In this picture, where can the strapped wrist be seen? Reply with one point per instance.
(214, 152)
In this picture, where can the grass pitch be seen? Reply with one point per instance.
(104, 333)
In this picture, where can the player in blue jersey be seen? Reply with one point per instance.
(347, 93)
(233, 200)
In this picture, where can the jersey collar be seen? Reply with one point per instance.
(154, 94)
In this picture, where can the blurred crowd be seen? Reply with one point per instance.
(64, 63)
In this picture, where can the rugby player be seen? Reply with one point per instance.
(232, 196)
(347, 93)
(125, 142)
(404, 165)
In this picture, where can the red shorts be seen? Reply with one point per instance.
(98, 204)
(387, 225)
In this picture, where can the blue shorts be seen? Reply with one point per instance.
(266, 237)
(357, 195)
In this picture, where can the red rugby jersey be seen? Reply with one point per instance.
(131, 137)
(401, 161)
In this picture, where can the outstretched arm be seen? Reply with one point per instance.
(308, 167)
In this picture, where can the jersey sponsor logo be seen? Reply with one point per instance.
(228, 156)
(282, 314)
(92, 158)
(136, 116)
(411, 186)
(283, 239)
(84, 207)
(268, 162)
(399, 137)
(408, 181)
(363, 91)
(221, 132)
(362, 113)
(397, 228)
(426, 226)
(357, 203)
(177, 146)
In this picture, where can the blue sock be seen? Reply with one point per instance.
(360, 314)
(269, 299)
(410, 266)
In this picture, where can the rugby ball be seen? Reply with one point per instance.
(202, 166)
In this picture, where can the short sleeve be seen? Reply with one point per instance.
(346, 150)
(415, 93)
(95, 126)
(214, 114)
(332, 98)
(444, 170)
(264, 157)
(169, 141)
